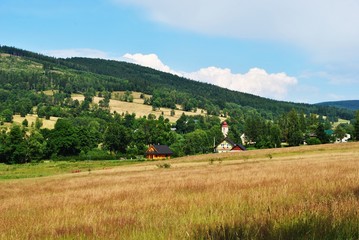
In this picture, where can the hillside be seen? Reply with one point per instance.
(77, 74)
(83, 108)
(292, 193)
(141, 109)
(349, 104)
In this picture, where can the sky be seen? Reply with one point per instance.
(299, 51)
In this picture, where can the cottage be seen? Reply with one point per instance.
(158, 152)
(227, 145)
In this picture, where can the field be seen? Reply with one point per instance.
(50, 168)
(31, 118)
(141, 109)
(136, 107)
(309, 192)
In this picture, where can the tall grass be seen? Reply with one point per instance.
(310, 194)
(305, 226)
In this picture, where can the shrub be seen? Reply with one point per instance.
(313, 141)
(164, 165)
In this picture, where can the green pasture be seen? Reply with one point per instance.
(49, 168)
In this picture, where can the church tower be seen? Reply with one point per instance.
(225, 129)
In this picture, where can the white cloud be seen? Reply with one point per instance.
(256, 81)
(80, 52)
(149, 60)
(326, 30)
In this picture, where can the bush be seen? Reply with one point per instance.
(164, 165)
(313, 141)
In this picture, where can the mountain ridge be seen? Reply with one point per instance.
(347, 104)
(113, 75)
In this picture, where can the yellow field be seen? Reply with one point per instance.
(140, 109)
(306, 192)
(31, 118)
(50, 92)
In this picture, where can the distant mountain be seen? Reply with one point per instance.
(348, 104)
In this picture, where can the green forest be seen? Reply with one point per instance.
(86, 130)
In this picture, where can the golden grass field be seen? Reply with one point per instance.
(31, 118)
(309, 192)
(141, 109)
(120, 107)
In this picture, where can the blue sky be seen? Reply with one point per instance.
(303, 52)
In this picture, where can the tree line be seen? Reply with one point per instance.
(98, 134)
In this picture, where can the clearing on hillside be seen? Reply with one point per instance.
(141, 109)
(31, 118)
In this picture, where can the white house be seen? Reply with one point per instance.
(227, 145)
(344, 139)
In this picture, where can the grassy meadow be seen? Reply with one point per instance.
(309, 192)
(50, 168)
(140, 109)
(31, 118)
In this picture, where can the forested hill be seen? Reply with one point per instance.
(349, 104)
(80, 74)
(207, 96)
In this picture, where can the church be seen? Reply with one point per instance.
(227, 145)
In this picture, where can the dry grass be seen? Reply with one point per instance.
(195, 198)
(141, 109)
(31, 118)
(136, 96)
(50, 92)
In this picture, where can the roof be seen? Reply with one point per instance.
(329, 132)
(160, 149)
(230, 141)
(240, 146)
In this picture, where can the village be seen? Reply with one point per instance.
(161, 152)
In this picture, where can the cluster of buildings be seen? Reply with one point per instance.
(159, 152)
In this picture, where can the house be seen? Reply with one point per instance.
(344, 139)
(227, 145)
(158, 152)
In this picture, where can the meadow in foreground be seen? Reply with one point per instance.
(292, 193)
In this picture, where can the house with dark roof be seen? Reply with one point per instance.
(158, 152)
(227, 145)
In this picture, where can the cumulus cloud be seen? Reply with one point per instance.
(326, 30)
(148, 60)
(256, 81)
